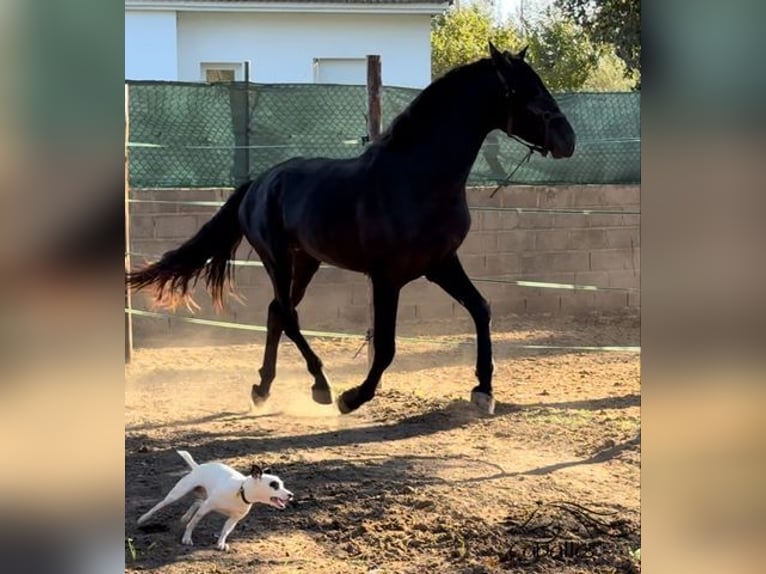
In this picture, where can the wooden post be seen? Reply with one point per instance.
(128, 300)
(240, 120)
(246, 168)
(374, 119)
(374, 124)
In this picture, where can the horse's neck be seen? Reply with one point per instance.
(455, 145)
(442, 148)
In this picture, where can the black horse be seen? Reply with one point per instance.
(396, 212)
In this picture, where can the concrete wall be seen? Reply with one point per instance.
(282, 46)
(594, 249)
(151, 46)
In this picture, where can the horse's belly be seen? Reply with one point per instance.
(345, 254)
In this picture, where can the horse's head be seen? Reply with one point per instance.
(529, 110)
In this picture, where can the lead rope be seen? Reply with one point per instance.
(367, 339)
(507, 180)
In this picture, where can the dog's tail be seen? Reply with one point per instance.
(187, 459)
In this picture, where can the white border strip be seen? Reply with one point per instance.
(305, 7)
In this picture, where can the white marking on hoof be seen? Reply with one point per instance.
(483, 401)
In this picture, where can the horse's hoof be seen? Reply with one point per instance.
(346, 401)
(321, 395)
(256, 396)
(485, 402)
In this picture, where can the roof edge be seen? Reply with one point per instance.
(433, 7)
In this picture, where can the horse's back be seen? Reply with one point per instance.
(361, 214)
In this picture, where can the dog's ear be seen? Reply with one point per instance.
(255, 471)
(267, 470)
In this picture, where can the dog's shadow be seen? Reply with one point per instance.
(327, 493)
(152, 468)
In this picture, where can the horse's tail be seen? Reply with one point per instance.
(187, 459)
(206, 254)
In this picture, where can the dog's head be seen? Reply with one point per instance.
(266, 488)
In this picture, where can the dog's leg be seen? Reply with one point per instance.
(192, 509)
(181, 488)
(225, 531)
(202, 510)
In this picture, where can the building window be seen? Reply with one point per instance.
(222, 72)
(340, 71)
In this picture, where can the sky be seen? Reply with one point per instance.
(511, 8)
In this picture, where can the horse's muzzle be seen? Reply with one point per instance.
(561, 138)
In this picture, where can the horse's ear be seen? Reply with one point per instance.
(497, 56)
(522, 54)
(255, 471)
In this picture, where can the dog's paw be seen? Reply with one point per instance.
(187, 541)
(223, 546)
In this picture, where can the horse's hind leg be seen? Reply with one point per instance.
(385, 302)
(285, 288)
(304, 268)
(451, 277)
(268, 370)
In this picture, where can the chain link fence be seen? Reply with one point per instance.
(218, 135)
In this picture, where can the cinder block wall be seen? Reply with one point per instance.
(571, 248)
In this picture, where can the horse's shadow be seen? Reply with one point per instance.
(227, 416)
(340, 491)
(333, 497)
(455, 414)
(331, 494)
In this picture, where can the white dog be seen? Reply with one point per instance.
(222, 489)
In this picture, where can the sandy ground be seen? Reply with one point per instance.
(417, 480)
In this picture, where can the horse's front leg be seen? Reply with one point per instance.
(385, 302)
(451, 277)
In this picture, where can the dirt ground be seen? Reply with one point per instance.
(415, 481)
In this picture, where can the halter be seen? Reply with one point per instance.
(508, 94)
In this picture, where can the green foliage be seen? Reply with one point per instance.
(566, 58)
(616, 22)
(563, 56)
(610, 74)
(460, 36)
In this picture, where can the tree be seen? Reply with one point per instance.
(610, 74)
(559, 51)
(561, 54)
(459, 36)
(615, 22)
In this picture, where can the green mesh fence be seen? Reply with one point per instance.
(201, 135)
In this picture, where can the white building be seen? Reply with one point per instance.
(278, 41)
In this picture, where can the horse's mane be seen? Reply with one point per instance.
(429, 104)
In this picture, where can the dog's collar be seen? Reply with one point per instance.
(242, 495)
